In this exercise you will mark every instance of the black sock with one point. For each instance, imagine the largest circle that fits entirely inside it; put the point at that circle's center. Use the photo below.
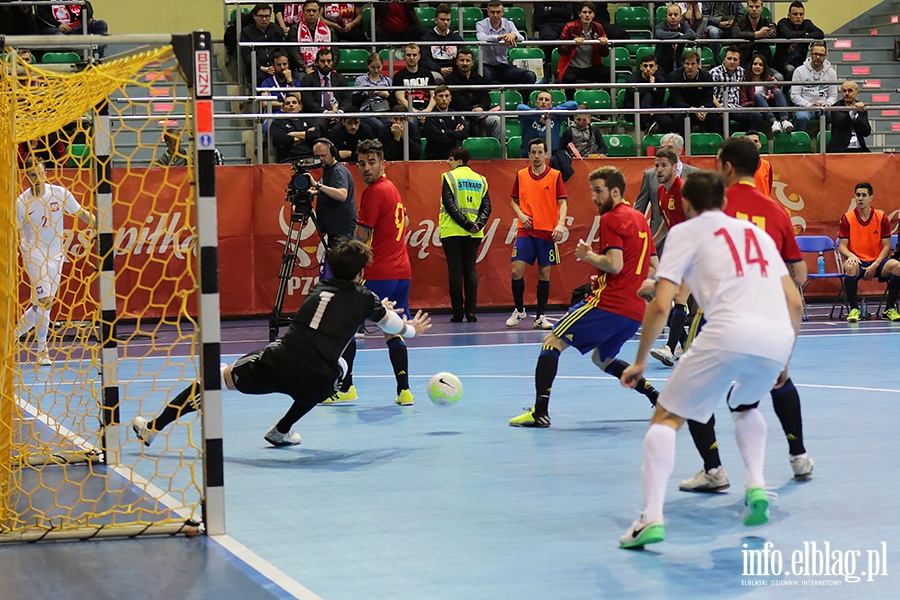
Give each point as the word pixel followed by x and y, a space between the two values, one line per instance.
pixel 294 414
pixel 518 292
pixel 618 366
pixel 851 285
pixel 786 402
pixel 400 362
pixel 543 296
pixel 704 436
pixel 544 374
pixel 349 355
pixel 893 290
pixel 182 404
pixel 676 326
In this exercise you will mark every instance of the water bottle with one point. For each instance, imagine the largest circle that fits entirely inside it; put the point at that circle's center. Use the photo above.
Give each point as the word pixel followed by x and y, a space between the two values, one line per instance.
pixel 821 264
pixel 863 309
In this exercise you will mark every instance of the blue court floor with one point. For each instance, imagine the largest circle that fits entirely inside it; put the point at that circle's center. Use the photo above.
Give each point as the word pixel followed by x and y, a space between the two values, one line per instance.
pixel 426 502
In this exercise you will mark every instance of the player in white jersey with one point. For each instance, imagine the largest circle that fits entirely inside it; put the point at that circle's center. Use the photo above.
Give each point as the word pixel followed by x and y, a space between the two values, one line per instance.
pixel 39 214
pixel 753 313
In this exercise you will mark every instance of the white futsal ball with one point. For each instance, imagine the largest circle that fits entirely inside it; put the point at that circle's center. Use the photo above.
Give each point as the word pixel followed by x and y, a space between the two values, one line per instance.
pixel 444 389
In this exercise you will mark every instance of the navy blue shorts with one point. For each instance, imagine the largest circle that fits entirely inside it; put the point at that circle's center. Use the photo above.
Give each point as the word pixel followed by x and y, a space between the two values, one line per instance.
pixel 529 249
pixel 396 290
pixel 865 264
pixel 586 328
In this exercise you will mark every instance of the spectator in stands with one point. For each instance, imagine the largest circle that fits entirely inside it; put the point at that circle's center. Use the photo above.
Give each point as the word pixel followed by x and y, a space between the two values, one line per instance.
pixel 865 245
pixel 346 136
pixel 310 29
pixel 765 94
pixel 584 140
pixel 754 26
pixel 692 14
pixel 69 18
pixel 445 132
pixel 815 69
pixel 438 49
pixel 345 21
pixel 669 56
pixel 796 27
pixel 764 177
pixel 849 129
pixel 418 79
pixel 580 63
pixel 326 101
pixel 392 138
pixel 650 97
pixel 504 34
pixel 262 30
pixel 729 96
pixel 17 20
pixel 372 99
pixel 549 20
pixel 720 17
pixel 173 156
pixel 396 21
pixel 281 78
pixel 288 14
pixel 473 100
pixel 293 138
pixel 534 125
pixel 694 97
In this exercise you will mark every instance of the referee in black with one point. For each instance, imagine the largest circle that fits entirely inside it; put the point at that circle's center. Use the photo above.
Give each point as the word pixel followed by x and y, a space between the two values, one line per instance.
pixel 306 363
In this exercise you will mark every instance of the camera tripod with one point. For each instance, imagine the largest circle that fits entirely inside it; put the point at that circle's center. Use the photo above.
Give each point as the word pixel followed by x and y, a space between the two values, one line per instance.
pixel 288 263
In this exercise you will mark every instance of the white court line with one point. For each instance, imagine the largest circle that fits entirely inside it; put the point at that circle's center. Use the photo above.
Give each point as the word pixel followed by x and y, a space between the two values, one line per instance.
pixel 257 563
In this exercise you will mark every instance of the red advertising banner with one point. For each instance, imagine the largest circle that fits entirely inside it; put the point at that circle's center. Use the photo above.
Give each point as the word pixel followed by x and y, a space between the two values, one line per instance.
pixel 155 250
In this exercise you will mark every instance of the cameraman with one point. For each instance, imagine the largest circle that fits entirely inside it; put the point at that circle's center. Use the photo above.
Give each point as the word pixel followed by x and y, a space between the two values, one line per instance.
pixel 336 199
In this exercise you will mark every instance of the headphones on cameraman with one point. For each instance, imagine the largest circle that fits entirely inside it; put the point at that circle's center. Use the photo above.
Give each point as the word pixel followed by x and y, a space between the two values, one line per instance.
pixel 331 149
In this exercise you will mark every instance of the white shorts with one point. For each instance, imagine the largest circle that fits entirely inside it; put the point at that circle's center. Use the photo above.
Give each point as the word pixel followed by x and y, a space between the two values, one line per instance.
pixel 44 276
pixel 703 376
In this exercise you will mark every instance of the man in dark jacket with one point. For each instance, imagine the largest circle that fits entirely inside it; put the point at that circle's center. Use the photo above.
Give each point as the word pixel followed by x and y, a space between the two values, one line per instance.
pixel 69 18
pixel 757 29
pixel 446 132
pixel 673 28
pixel 347 135
pixel 262 30
pixel 650 97
pixel 694 97
pixel 440 45
pixel 795 27
pixel 849 129
pixel 472 100
pixel 293 138
pixel 391 137
pixel 325 76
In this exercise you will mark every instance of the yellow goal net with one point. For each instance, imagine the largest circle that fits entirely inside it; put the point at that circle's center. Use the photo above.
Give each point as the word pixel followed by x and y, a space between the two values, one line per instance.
pixel 121 336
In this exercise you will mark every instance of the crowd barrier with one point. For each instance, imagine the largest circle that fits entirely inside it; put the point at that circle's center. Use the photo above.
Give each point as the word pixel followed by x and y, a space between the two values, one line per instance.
pixel 151 220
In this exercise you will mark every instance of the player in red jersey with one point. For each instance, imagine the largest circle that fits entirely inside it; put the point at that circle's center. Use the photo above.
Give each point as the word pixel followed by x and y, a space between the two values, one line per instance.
pixel 611 315
pixel 738 161
pixel 381 223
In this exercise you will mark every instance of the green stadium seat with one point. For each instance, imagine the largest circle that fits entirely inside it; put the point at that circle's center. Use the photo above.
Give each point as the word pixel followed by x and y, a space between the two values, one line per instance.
pixel 554 62
pixel 79 156
pixel 620 145
pixel 512 97
pixel 517 16
pixel 558 96
pixel 517 53
pixel 633 18
pixel 471 15
pixel 819 140
pixel 651 141
pixel 707 58
pixel 705 144
pixel 642 50
pixel 661 14
pixel 426 15
pixel 796 142
pixel 513 127
pixel 623 59
pixel 483 147
pixel 60 58
pixel 593 99
pixel 352 60
pixel 513 146
pixel 367 20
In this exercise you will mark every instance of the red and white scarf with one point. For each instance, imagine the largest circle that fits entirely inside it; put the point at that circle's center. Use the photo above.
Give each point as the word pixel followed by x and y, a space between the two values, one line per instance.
pixel 323 34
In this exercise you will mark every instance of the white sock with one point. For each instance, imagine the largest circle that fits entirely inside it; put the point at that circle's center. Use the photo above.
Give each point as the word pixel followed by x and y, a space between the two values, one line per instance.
pixel 799 456
pixel 28 320
pixel 750 433
pixel 43 327
pixel 659 461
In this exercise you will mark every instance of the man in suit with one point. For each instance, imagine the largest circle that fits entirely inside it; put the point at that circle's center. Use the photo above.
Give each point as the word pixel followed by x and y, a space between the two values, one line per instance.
pixel 325 76
pixel 647 196
pixel 849 129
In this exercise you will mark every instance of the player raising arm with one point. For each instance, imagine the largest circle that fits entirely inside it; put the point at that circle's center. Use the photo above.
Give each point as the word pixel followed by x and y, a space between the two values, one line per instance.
pixel 306 363
pixel 39 214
